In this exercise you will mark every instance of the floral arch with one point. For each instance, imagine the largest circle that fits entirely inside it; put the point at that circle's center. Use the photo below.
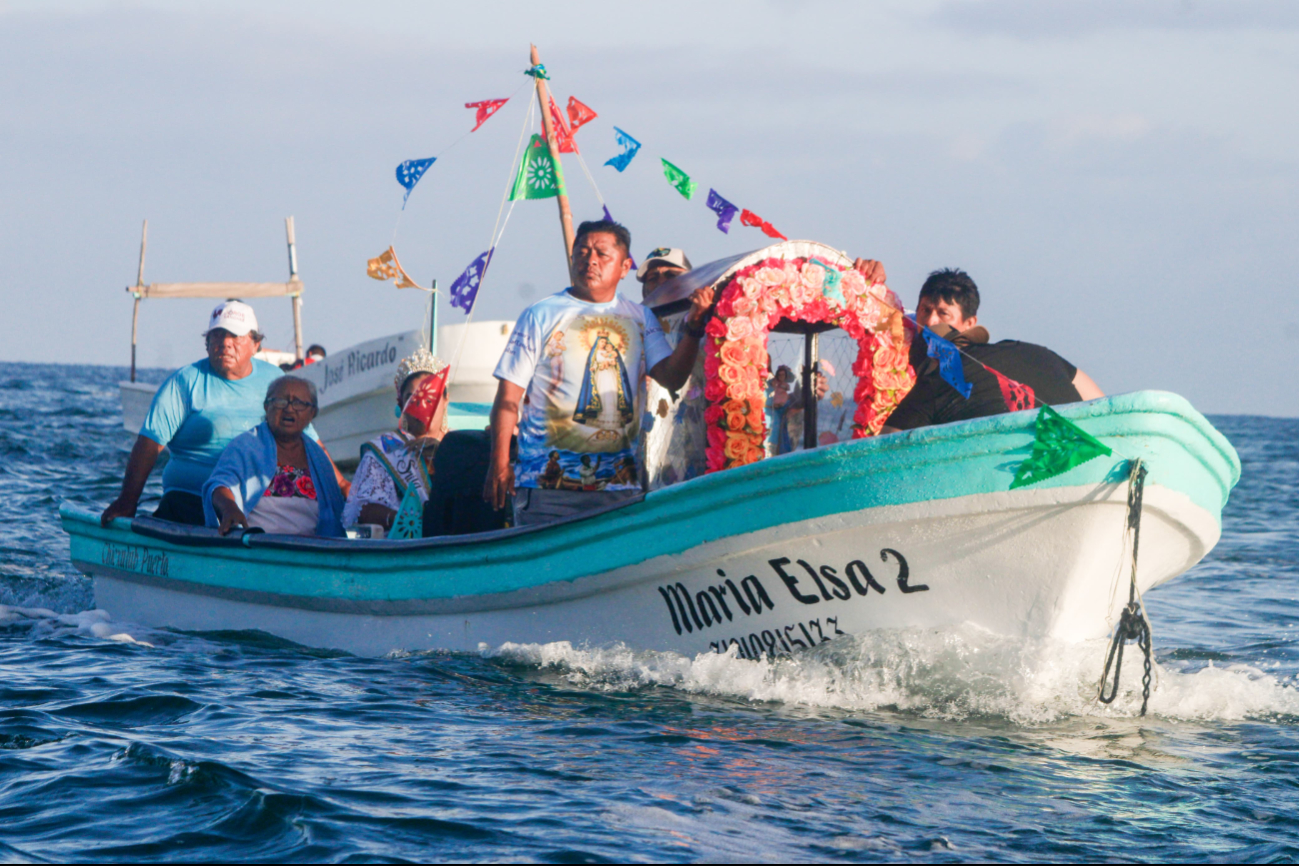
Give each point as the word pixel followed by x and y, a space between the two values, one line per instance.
pixel 811 289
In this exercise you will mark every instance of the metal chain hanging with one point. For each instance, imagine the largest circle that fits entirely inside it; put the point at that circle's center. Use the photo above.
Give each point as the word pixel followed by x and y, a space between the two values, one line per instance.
pixel 1133 625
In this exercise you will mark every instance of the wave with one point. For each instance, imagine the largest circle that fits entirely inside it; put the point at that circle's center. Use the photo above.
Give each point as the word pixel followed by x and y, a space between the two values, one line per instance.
pixel 47 623
pixel 954 674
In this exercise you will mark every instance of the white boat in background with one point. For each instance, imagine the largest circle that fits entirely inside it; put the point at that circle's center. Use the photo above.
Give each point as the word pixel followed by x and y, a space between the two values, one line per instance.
pixel 354 384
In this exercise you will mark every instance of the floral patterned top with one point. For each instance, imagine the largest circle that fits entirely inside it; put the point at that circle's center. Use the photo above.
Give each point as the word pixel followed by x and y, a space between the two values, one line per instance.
pixel 373 484
pixel 291 482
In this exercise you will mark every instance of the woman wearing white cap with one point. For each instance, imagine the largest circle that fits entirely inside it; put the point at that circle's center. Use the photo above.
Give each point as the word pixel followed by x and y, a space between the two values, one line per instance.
pixel 195 413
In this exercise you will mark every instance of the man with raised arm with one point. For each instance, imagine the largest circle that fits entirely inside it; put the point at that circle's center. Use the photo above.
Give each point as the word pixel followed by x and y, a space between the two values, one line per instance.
pixel 579 356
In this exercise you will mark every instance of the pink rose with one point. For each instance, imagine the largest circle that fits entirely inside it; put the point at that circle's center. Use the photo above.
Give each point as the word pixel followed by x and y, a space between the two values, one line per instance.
pixel 813 276
pixel 738 329
pixel 852 282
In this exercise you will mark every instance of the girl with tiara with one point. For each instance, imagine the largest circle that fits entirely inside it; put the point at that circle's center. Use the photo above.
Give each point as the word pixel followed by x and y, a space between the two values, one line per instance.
pixel 393 478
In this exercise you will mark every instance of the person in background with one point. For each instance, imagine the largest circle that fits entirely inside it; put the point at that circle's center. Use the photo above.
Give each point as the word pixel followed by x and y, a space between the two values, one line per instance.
pixel 579 356
pixel 374 497
pixel 195 413
pixel 661 265
pixel 315 352
pixel 949 306
pixel 274 477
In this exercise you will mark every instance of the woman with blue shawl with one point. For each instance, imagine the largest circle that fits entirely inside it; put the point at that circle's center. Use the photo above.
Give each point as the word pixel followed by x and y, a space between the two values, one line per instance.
pixel 273 477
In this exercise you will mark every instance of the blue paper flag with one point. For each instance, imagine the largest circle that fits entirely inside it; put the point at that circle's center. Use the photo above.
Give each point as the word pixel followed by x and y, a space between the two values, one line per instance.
pixel 409 173
pixel 724 209
pixel 465 289
pixel 629 145
pixel 949 362
pixel 609 217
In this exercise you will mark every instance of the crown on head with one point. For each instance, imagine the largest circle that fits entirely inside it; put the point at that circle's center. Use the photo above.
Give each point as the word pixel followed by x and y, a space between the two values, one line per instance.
pixel 420 361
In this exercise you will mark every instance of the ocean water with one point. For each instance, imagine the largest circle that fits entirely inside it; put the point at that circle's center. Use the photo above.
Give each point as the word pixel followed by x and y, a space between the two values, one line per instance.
pixel 119 743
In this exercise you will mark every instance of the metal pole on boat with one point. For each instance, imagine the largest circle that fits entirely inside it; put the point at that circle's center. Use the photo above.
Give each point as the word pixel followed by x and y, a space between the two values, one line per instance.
pixel 811 355
pixel 139 283
pixel 297 296
pixel 433 319
pixel 548 127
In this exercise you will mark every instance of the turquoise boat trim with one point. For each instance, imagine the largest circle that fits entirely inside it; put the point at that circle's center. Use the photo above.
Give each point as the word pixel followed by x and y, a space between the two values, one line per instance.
pixel 1184 453
pixel 468 416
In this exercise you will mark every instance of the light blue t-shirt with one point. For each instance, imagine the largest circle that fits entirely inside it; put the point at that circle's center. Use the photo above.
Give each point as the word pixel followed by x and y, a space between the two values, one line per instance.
pixel 195 413
pixel 581 365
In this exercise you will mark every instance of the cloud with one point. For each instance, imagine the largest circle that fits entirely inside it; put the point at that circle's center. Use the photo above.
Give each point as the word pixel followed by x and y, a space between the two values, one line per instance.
pixel 1081 128
pixel 1028 19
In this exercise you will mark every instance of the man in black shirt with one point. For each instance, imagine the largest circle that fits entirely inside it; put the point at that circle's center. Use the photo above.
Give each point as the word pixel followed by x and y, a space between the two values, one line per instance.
pixel 1005 376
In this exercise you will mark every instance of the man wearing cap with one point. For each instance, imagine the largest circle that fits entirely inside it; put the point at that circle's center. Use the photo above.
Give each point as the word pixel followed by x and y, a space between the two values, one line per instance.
pixel 195 413
pixel 660 266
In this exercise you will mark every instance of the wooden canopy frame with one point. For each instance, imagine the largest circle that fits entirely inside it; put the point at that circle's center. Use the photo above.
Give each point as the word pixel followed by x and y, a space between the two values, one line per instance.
pixel 291 289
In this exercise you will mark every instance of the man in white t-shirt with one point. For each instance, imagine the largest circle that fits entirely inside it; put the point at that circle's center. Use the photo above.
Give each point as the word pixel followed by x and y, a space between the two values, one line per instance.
pixel 579 356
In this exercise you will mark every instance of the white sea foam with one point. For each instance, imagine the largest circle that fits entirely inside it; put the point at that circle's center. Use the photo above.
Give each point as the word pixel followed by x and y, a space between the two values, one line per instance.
pixel 95 623
pixel 952 673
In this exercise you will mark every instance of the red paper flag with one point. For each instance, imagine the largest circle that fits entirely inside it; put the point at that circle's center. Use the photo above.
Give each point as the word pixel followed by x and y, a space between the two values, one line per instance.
pixel 1017 395
pixel 562 134
pixel 749 218
pixel 578 114
pixel 486 109
pixel 423 404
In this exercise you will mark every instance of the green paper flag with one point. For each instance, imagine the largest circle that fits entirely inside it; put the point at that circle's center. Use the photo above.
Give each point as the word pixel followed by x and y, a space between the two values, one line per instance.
pixel 679 179
pixel 538 176
pixel 1060 446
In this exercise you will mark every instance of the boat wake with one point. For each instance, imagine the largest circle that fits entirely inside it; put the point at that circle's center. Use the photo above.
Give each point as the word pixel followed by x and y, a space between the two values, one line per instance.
pixel 958 673
pixel 44 622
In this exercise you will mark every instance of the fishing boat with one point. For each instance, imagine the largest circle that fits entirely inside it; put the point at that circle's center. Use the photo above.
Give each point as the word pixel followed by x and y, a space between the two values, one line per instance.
pixel 354 384
pixel 754 535
pixel 918 529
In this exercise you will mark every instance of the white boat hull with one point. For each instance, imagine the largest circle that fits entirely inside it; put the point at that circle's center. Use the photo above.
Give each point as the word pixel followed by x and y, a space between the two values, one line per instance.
pixel 1023 563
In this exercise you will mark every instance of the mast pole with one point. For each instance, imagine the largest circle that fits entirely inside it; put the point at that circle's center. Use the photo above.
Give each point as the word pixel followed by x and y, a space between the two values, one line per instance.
pixel 811 369
pixel 297 296
pixel 139 282
pixel 548 127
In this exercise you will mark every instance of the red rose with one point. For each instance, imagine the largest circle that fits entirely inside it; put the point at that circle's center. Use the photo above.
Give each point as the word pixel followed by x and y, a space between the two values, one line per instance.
pixel 716 437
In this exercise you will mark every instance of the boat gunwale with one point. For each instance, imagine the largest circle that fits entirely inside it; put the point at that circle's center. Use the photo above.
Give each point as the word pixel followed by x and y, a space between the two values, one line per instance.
pixel 799 469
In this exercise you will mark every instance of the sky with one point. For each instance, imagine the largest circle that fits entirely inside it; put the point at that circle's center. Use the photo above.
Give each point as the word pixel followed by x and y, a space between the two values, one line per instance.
pixel 1120 177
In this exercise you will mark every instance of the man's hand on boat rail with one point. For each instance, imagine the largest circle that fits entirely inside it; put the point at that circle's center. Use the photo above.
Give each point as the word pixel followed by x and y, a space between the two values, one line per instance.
pixel 872 270
pixel 144 454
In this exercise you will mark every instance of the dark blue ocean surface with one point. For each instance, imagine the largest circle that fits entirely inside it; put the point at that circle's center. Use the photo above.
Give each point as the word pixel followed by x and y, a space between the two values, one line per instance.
pixel 123 744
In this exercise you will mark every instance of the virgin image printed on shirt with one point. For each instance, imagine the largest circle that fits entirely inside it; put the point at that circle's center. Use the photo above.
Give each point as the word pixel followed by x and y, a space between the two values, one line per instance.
pixel 581 365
